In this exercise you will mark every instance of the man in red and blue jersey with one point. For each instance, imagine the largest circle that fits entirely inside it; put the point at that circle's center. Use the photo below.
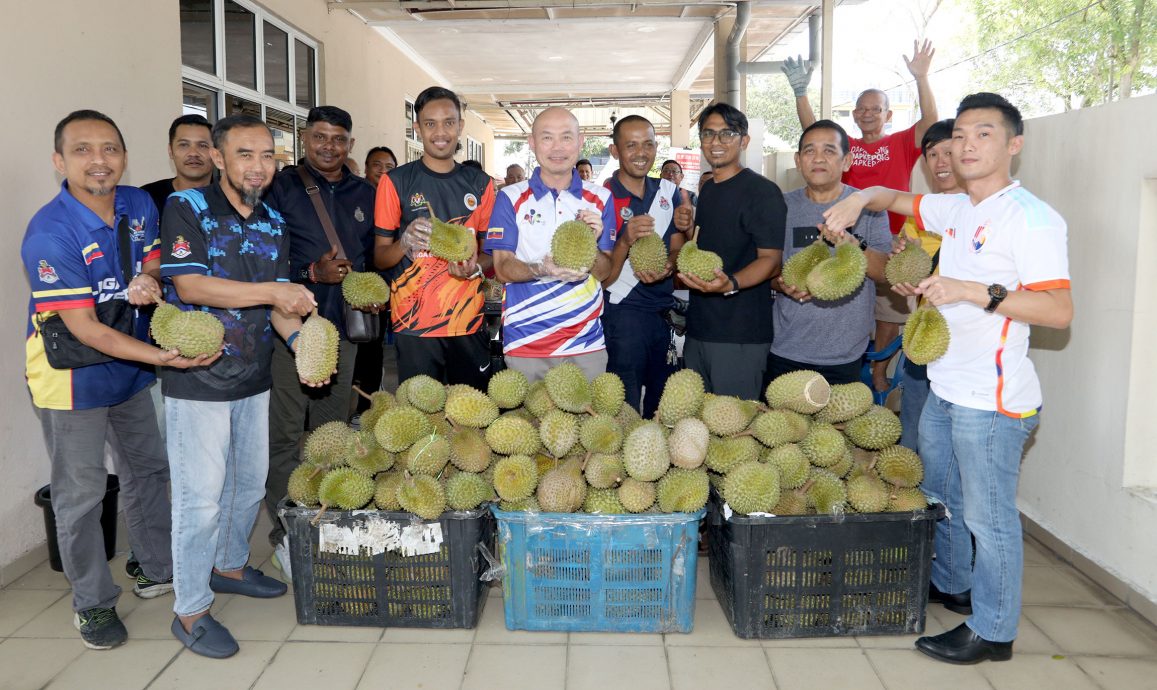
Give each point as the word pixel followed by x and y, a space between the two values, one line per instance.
pixel 72 252
pixel 551 314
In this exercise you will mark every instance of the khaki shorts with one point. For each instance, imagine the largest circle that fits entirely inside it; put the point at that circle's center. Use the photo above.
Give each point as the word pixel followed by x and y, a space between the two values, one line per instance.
pixel 892 308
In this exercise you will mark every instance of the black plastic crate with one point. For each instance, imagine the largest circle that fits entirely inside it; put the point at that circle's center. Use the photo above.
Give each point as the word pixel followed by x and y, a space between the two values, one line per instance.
pixel 380 586
pixel 822 575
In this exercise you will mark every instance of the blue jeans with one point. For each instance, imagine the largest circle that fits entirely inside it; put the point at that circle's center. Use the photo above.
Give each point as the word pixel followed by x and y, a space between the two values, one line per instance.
pixel 914 384
pixel 972 464
pixel 218 459
pixel 637 343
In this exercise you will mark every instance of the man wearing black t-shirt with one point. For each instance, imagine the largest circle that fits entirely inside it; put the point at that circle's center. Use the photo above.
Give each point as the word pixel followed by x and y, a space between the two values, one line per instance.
pixel 189 145
pixel 741 218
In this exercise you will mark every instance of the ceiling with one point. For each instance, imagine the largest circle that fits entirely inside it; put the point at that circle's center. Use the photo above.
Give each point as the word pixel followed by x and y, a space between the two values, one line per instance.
pixel 510 58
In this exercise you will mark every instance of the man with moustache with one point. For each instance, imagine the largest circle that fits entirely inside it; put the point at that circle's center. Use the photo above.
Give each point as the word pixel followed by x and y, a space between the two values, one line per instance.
pixel 189 145
pixel 225 252
pixel 435 306
pixel 72 252
pixel 551 314
pixel 637 335
pixel 740 218
pixel 314 263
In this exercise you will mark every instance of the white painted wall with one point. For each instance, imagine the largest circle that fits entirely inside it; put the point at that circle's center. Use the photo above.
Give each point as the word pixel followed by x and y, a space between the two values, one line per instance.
pixel 1092 166
pixel 122 57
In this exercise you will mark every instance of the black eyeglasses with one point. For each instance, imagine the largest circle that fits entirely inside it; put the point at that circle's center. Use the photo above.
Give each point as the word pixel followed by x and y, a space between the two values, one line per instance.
pixel 724 135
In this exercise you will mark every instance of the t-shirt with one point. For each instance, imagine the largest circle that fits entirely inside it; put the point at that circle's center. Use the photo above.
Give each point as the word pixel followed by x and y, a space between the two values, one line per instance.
pixel 350 204
pixel 826 333
pixel 425 299
pixel 547 317
pixel 73 262
pixel 160 191
pixel 202 234
pixel 1011 238
pixel 735 218
pixel 886 162
pixel 660 198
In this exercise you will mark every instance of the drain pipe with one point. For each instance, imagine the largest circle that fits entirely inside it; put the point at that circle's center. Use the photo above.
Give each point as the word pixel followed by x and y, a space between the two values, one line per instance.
pixel 734 41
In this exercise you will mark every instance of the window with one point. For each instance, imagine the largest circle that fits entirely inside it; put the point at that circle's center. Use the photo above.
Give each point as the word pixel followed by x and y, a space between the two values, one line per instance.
pixel 475 151
pixel 411 129
pixel 238 58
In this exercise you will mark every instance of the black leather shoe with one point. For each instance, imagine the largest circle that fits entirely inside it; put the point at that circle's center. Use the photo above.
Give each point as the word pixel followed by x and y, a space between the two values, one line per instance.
pixel 956 603
pixel 962 646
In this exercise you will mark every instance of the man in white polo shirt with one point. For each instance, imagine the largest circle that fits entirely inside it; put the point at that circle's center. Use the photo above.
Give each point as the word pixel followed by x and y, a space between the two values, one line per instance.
pixel 1003 267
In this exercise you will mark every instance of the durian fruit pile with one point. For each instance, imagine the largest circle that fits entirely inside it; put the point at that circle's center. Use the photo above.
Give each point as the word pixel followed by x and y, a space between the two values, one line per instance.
pixel 812 449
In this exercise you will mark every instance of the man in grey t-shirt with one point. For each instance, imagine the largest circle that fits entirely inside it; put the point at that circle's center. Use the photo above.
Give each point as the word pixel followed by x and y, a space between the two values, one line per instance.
pixel 828 337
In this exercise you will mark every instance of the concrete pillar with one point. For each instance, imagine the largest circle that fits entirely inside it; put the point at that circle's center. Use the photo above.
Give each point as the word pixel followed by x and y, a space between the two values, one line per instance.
pixel 680 119
pixel 722 31
pixel 828 29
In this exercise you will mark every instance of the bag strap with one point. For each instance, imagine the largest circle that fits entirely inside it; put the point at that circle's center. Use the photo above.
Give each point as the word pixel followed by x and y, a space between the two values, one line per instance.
pixel 125 250
pixel 313 191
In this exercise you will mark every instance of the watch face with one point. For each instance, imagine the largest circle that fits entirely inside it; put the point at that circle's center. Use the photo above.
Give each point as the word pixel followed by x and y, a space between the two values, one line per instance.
pixel 997 291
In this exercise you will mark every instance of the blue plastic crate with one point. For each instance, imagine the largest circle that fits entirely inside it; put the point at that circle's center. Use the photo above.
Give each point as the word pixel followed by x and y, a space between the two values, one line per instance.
pixel 599 573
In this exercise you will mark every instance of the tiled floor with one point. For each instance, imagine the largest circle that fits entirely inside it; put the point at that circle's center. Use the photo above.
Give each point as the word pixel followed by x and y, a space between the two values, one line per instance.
pixel 1072 635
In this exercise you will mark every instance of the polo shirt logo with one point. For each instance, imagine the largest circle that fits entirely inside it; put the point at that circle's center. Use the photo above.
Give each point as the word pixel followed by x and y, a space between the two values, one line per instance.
pixel 137 229
pixel 46 273
pixel 91 253
pixel 533 217
pixel 471 201
pixel 359 215
pixel 417 200
pixel 181 247
pixel 663 203
pixel 979 238
pixel 626 213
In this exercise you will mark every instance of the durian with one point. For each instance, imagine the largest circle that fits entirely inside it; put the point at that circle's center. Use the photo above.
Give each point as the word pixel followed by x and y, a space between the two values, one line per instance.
pixel 512 435
pixel 877 428
pixel 752 487
pixel 450 241
pixel 317 344
pixel 423 496
pixel 698 262
pixel 803 391
pixel 568 387
pixel 645 454
pixel 559 432
pixel 365 289
pixel 466 491
pixel 796 269
pixel 910 266
pixel 649 254
pixel 466 406
pixel 688 443
pixel 191 333
pixel 607 393
pixel 515 477
pixel 926 336
pixel 682 491
pixel 574 246
pixel 636 496
pixel 508 388
pixel 425 393
pixel 562 490
pixel 900 466
pixel 845 402
pixel 345 488
pixel 682 396
pixel 303 485
pixel 399 427
pixel 839 276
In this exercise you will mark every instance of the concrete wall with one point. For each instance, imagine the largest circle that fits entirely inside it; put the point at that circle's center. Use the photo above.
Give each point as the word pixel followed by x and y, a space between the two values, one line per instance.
pixel 1088 476
pixel 123 57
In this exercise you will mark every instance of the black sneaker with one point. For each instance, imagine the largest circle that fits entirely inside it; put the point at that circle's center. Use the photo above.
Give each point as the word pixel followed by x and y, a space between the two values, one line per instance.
pixel 100 628
pixel 132 565
pixel 151 589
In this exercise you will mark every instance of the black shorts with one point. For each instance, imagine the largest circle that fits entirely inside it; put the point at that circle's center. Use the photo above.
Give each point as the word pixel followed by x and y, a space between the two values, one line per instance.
pixel 458 359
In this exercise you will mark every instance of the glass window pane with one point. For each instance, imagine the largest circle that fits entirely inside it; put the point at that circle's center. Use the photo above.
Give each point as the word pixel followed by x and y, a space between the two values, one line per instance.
pixel 284 146
pixel 411 134
pixel 197 100
pixel 236 105
pixel 300 139
pixel 197 46
pixel 240 45
pixel 276 62
pixel 304 59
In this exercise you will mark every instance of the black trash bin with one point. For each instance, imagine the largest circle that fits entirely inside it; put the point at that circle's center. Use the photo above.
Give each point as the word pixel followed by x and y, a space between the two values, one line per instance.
pixel 108 521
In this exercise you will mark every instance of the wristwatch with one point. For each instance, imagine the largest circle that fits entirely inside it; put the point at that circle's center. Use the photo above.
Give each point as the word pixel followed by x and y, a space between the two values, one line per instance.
pixel 996 295
pixel 734 285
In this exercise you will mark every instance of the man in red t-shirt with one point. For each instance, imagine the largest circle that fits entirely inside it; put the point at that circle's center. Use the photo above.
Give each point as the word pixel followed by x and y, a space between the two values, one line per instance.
pixel 879 159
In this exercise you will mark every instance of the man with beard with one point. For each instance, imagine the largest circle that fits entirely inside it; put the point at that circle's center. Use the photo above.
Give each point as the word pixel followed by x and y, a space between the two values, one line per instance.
pixel 313 261
pixel 225 252
pixel 741 218
pixel 435 305
pixel 637 334
pixel 73 255
pixel 189 145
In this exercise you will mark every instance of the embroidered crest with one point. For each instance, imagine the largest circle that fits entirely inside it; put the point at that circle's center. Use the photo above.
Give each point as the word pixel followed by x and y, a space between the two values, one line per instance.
pixel 532 217
pixel 47 273
pixel 181 248
pixel 471 201
pixel 137 229
pixel 359 215
pixel 664 203
pixel 417 200
pixel 494 234
pixel 979 238
pixel 626 214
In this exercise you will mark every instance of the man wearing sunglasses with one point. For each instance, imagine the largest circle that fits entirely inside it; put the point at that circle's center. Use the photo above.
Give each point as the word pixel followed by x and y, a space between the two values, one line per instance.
pixel 741 218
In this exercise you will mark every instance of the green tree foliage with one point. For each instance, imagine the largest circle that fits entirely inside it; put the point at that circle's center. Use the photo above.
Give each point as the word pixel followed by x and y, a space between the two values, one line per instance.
pixel 1083 53
pixel 769 96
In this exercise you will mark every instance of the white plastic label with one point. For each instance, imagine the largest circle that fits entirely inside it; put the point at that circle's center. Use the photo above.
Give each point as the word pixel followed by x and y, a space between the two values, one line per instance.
pixel 374 536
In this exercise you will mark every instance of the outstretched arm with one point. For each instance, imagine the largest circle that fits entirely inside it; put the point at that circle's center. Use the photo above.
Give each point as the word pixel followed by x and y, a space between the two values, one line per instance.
pixel 918 66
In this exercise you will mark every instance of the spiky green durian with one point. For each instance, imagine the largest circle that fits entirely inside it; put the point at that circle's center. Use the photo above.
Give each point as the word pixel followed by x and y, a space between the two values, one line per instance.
pixel 426 393
pixel 451 241
pixel 559 432
pixel 515 477
pixel 428 455
pixel 823 445
pixel 466 406
pixel 799 265
pixel 845 402
pixel 802 391
pixel 682 396
pixel 538 400
pixel 839 276
pixel 877 428
pixel 380 401
pixel 512 435
pixel 303 484
pixel 645 454
pixel 316 354
pixel 603 501
pixel 793 502
pixel 903 500
pixel 574 246
pixel 524 505
pixel 792 464
pixel 698 262
pixel 345 488
pixel 466 491
pixel 365 455
pixel 868 494
pixel 636 496
pixel 423 496
pixel 469 451
pixel 386 490
pixel 568 387
pixel 563 489
pixel 648 253
pixel 365 289
pixel 926 335
pixel 327 444
pixel 900 466
pixel 607 393
pixel 508 388
pixel 688 443
pixel 828 494
pixel 751 487
pixel 604 471
pixel 723 454
pixel 601 434
pixel 400 426
pixel 773 428
pixel 725 415
pixel 191 333
pixel 682 491
pixel 910 266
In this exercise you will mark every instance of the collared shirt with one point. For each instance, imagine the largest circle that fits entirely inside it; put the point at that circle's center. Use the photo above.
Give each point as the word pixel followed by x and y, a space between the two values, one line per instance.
pixel 202 234
pixel 425 300
pixel 886 162
pixel 660 199
pixel 546 317
pixel 350 203
pixel 73 262
pixel 1012 238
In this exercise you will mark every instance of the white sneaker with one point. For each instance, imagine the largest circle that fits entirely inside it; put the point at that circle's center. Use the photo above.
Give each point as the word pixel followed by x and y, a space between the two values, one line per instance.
pixel 281 558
